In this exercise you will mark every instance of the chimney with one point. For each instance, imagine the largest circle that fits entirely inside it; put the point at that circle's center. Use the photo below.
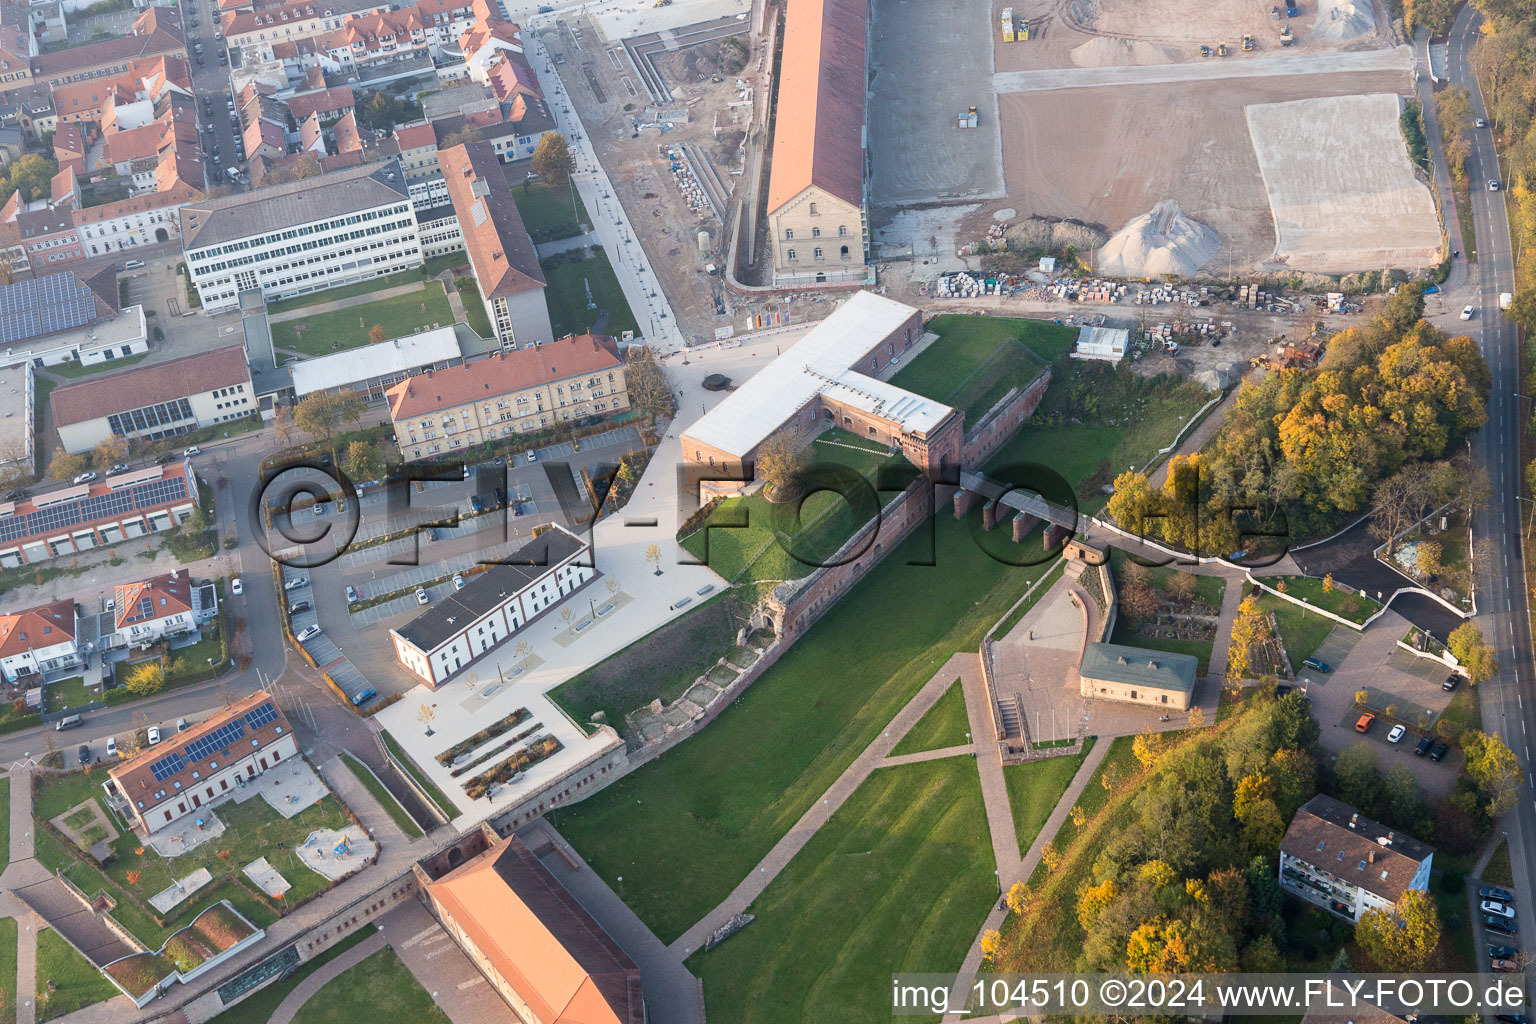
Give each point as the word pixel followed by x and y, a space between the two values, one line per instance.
pixel 1354 819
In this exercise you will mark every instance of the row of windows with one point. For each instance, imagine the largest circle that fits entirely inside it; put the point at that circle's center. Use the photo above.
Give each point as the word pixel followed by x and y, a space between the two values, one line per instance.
pixel 299 232
pixel 149 417
pixel 842 231
pixel 272 254
pixel 790 254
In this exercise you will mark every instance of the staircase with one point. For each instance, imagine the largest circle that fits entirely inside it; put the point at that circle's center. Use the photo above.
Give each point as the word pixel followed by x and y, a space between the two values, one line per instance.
pixel 1008 715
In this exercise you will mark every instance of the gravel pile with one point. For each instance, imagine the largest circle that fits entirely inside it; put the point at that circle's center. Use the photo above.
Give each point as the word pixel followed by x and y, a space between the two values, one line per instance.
pixel 1163 242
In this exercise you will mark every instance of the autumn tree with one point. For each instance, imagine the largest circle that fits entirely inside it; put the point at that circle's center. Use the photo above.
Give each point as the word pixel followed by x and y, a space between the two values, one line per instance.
pixel 1399 502
pixel 464 136
pixel 282 423
pixel 1495 769
pixel 649 390
pixel 376 334
pixel 145 679
pixel 1250 627
pixel 31 175
pixel 1147 746
pixel 552 160
pixel 1181 585
pixel 1426 558
pixel 362 461
pixel 780 461
pixel 322 413
pixel 64 465
pixel 109 452
pixel 1475 657
pixel 1133 505
pixel 1138 601
pixel 1400 938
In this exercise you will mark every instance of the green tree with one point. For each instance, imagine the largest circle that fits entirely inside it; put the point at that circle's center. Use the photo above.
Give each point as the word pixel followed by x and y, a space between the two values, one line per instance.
pixel 552 160
pixel 1476 658
pixel 1357 777
pixel 363 461
pixel 1400 939
pixel 32 176
pixel 145 679
pixel 322 413
pixel 1495 769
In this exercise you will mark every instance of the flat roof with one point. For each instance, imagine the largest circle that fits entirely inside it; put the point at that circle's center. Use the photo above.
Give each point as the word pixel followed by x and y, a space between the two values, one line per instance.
pixel 16 424
pixel 817 362
pixel 487 591
pixel 411 353
pixel 292 203
pixel 1102 339
pixel 1159 669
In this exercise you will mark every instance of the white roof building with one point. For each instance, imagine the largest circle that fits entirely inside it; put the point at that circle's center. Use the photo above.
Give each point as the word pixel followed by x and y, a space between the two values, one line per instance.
pixel 822 362
pixel 1104 343
pixel 386 363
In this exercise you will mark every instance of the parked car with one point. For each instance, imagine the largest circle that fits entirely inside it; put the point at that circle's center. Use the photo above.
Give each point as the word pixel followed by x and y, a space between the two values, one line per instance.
pixel 308 634
pixel 1490 892
pixel 111 746
pixel 154 735
pixel 86 477
pixel 1503 925
pixel 476 503
pixel 1364 722
pixel 166 459
pixel 1316 666
pixel 1502 951
pixel 299 607
pixel 1451 682
pixel 1438 752
pixel 501 495
pixel 352 595
pixel 236 587
pixel 194 450
pixel 16 494
pixel 546 9
pixel 531 456
pixel 1423 747
pixel 182 725
pixel 118 467
pixel 458 581
pixel 296 583
pixel 1513 1018
pixel 1397 733
pixel 1504 966
pixel 362 697
pixel 1498 909
pixel 421 596
pixel 84 753
pixel 1466 312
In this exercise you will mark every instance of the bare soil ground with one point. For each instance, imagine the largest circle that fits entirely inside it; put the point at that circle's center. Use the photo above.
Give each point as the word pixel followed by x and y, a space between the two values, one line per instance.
pixel 1196 149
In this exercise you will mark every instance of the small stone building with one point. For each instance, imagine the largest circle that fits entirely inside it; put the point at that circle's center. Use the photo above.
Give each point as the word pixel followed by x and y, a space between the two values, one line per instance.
pixel 1136 676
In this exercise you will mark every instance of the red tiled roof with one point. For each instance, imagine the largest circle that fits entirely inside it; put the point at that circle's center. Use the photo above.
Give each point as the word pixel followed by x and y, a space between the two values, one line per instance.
pixel 146 385
pixel 819 124
pixel 325 101
pixel 500 250
pixel 108 51
pixel 416 136
pixel 168 594
pixel 503 374
pixel 33 628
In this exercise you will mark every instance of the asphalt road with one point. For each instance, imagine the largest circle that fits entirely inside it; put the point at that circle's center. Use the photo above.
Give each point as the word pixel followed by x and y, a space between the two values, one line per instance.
pixel 211 80
pixel 1504 616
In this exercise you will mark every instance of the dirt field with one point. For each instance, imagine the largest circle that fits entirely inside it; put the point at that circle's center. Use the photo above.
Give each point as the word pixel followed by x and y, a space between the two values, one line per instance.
pixel 917 154
pixel 1196 150
pixel 1341 186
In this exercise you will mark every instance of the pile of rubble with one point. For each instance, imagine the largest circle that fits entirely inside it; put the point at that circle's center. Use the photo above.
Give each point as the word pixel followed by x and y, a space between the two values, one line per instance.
pixel 687 184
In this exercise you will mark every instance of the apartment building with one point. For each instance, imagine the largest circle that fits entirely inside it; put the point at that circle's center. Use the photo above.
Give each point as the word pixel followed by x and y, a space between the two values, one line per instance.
pixel 1336 858
pixel 144 611
pixel 302 236
pixel 510 393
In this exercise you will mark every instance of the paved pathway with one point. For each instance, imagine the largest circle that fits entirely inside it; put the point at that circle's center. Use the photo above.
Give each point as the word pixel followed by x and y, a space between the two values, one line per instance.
pixel 429 953
pixel 346 303
pixel 1281 65
pixel 355 795
pixel 327 971
pixel 22 870
pixel 785 849
pixel 989 763
pixel 965 750
pixel 548 249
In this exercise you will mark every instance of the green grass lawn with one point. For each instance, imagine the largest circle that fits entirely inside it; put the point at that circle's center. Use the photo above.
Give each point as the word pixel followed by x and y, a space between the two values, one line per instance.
pixel 944 725
pixel 320 334
pixel 1498 871
pixel 76 982
pixel 1118 765
pixel 978 358
pixel 568 275
pixel 420 777
pixel 661 665
pixel 254 830
pixel 474 309
pixel 1355 607
pixel 433 267
pixel 7 970
pixel 899 879
pixel 754 539
pixel 1034 790
pixel 379 986
pixel 77 370
pixel 258 1008
pixel 706 806
pixel 549 211
pixel 1301 631
pixel 68 693
pixel 386 800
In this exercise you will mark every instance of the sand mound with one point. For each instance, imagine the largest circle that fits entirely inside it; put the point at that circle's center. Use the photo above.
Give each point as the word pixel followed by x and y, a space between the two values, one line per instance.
pixel 1342 20
pixel 1106 52
pixel 1163 242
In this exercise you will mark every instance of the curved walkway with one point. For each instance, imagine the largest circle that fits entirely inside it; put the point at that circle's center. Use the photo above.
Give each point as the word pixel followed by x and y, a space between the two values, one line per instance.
pixel 309 986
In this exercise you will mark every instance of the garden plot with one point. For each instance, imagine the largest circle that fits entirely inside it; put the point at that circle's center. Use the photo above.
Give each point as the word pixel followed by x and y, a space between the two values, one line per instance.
pixel 1341 187
pixel 86 824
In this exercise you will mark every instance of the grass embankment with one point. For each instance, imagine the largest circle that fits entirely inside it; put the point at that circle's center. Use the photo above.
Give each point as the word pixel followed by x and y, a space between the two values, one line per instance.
pixel 943 725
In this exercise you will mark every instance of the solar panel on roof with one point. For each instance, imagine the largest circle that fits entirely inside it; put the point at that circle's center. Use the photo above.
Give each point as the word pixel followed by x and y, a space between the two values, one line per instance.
pixel 111 505
pixel 58 302
pixel 263 715
pixel 167 766
pixel 223 736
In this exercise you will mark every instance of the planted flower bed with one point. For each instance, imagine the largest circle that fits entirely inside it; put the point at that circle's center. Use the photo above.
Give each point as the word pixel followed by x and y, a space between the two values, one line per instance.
pixel 463 747
pixel 139 973
pixel 496 751
pixel 187 950
pixel 537 751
